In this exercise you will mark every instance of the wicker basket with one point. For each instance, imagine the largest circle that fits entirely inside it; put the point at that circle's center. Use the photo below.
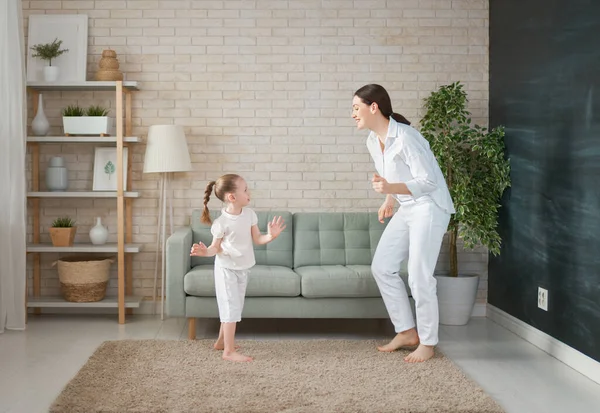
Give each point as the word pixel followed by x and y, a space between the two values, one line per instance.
pixel 84 279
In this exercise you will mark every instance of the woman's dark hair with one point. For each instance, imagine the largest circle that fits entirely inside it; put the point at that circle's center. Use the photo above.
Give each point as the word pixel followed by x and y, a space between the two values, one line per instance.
pixel 376 93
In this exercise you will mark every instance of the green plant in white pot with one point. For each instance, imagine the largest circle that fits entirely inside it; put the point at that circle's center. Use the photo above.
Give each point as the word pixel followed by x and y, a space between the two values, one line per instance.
pixel 473 161
pixel 48 52
pixel 93 121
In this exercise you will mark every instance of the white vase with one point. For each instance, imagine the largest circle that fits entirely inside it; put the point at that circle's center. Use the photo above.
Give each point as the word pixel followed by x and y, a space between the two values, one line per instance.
pixel 56 175
pixel 99 233
pixel 51 73
pixel 40 125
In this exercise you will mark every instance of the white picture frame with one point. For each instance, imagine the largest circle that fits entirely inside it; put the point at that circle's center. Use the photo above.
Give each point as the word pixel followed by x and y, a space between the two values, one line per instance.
pixel 72 29
pixel 105 160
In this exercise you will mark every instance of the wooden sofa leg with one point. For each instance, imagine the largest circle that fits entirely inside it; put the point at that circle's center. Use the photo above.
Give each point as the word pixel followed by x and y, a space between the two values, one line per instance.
pixel 192 328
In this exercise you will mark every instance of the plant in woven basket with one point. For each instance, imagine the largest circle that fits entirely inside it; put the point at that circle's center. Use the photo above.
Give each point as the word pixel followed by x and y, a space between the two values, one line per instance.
pixel 73 110
pixel 48 51
pixel 62 232
pixel 97 111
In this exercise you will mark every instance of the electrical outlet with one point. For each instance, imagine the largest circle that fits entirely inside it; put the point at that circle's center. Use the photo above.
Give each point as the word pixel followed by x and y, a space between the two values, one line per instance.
pixel 543 298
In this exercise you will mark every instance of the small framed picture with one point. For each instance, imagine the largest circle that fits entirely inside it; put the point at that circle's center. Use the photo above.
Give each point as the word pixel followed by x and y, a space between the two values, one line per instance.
pixel 72 30
pixel 105 169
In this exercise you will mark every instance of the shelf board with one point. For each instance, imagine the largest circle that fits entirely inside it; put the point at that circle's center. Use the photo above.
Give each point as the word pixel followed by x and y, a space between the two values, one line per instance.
pixel 81 139
pixel 82 86
pixel 84 247
pixel 81 194
pixel 59 302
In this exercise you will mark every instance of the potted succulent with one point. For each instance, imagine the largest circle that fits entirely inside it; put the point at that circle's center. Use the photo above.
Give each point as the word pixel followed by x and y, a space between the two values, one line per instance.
pixel 62 232
pixel 92 121
pixel 49 51
pixel 473 161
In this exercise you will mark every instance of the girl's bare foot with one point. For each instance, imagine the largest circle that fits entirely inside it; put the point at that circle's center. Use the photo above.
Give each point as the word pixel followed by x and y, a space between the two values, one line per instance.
pixel 422 353
pixel 235 356
pixel 220 345
pixel 406 338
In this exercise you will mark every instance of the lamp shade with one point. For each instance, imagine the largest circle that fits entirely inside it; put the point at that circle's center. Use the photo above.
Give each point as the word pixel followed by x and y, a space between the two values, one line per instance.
pixel 166 150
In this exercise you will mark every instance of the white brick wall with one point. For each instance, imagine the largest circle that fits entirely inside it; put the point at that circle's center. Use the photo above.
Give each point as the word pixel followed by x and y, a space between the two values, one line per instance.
pixel 264 89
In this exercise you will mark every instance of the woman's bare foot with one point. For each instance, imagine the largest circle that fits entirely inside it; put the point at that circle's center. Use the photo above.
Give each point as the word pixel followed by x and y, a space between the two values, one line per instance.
pixel 406 338
pixel 422 353
pixel 235 356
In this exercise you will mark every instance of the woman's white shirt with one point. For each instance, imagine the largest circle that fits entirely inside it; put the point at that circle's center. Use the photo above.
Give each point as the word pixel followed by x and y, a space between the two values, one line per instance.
pixel 407 158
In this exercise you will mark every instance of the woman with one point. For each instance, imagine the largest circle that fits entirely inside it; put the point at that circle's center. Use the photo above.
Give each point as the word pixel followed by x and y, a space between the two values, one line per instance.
pixel 409 174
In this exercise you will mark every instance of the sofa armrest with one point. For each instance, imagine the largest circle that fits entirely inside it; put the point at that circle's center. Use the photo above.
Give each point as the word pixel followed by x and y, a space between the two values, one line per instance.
pixel 178 264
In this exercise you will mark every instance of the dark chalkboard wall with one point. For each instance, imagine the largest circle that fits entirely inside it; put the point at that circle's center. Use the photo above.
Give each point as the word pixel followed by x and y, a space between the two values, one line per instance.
pixel 545 88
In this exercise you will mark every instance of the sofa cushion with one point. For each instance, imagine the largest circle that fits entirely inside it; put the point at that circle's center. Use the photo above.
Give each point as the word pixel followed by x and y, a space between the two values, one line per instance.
pixel 321 281
pixel 327 238
pixel 365 271
pixel 278 252
pixel 263 281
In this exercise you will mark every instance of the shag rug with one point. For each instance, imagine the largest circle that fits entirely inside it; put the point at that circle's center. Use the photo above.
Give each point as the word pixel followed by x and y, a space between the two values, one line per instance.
pixel 291 376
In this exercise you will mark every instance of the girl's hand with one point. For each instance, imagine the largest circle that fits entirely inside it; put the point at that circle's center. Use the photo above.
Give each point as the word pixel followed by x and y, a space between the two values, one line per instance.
pixel 380 184
pixel 199 250
pixel 275 227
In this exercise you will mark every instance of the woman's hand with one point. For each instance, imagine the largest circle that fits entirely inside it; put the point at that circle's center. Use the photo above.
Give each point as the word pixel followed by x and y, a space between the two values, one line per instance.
pixel 386 210
pixel 380 184
pixel 275 227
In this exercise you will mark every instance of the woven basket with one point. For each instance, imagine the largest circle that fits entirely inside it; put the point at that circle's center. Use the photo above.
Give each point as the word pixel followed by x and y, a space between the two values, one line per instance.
pixel 83 279
pixel 103 75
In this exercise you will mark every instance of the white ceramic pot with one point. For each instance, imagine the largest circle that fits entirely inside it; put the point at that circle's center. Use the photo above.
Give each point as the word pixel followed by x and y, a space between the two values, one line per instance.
pixel 456 298
pixel 87 125
pixel 56 175
pixel 98 233
pixel 51 73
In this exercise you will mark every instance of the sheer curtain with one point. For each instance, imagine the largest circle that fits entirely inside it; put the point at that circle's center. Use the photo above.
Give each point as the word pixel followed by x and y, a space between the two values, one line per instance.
pixel 13 203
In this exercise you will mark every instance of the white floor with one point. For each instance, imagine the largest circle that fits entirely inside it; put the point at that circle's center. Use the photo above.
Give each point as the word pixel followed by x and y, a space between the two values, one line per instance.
pixel 37 363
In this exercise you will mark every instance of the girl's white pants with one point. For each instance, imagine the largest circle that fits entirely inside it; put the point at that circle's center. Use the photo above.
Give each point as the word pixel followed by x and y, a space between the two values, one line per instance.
pixel 230 287
pixel 415 233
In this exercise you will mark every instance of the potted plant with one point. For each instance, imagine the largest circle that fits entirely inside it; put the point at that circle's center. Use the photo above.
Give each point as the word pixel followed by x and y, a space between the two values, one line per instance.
pixel 49 51
pixel 477 173
pixel 93 121
pixel 62 232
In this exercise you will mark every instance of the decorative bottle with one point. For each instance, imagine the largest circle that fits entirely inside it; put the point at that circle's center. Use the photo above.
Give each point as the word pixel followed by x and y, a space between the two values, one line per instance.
pixel 40 125
pixel 99 233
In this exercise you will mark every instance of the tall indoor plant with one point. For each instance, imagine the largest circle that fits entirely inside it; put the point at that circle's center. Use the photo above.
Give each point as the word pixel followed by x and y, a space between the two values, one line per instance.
pixel 473 161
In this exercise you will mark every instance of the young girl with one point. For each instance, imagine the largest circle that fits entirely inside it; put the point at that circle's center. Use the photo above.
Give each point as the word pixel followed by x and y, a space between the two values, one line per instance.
pixel 233 233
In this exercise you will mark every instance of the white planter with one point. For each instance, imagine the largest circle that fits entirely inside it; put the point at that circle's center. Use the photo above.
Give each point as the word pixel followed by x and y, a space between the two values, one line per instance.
pixel 456 298
pixel 87 125
pixel 51 73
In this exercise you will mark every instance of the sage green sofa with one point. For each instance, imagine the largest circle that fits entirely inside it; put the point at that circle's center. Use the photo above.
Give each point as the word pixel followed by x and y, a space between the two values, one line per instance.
pixel 319 267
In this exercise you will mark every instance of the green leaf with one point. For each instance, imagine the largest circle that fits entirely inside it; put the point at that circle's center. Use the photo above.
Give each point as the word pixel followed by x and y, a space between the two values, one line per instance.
pixel 109 168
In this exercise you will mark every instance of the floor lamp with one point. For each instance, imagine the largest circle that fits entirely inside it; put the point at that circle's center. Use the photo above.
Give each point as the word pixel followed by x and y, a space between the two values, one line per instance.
pixel 166 152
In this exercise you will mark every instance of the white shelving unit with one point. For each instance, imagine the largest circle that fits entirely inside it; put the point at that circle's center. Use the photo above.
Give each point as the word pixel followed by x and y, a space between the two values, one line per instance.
pixel 124 248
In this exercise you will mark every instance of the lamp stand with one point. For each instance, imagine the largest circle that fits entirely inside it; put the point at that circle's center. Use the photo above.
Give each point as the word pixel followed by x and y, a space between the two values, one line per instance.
pixel 161 240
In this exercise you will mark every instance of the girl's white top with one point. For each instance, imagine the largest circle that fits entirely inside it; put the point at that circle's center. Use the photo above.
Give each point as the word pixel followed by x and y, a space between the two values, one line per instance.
pixel 407 158
pixel 236 232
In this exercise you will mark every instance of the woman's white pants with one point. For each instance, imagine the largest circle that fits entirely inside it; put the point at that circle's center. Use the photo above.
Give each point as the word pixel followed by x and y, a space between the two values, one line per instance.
pixel 415 233
pixel 230 288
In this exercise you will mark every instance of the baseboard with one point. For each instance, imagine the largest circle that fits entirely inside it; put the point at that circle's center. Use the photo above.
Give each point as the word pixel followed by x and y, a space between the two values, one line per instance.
pixel 479 310
pixel 557 349
pixel 149 307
